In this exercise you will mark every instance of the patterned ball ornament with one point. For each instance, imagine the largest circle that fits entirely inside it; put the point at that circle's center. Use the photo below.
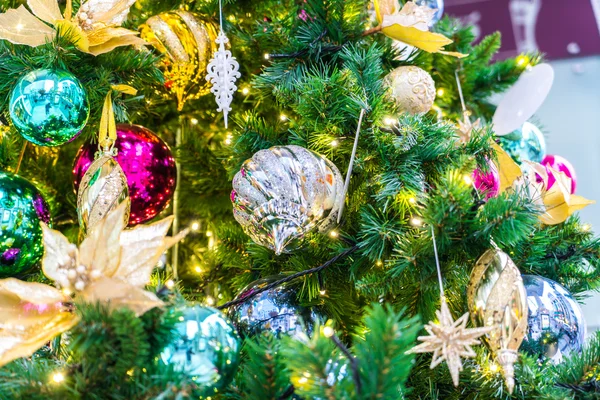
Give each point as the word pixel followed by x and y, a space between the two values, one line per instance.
pixel 412 88
pixel 49 107
pixel 525 144
pixel 148 165
pixel 559 164
pixel 285 192
pixel 22 207
pixel 275 310
pixel 205 346
pixel 556 324
pixel 188 43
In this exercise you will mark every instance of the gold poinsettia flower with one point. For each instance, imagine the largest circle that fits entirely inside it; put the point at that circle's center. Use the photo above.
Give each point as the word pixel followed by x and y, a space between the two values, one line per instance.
pixel 557 202
pixel 411 26
pixel 95 29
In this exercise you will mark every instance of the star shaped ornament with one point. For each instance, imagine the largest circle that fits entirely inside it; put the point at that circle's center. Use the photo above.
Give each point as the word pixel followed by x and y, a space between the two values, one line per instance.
pixel 449 340
pixel 465 129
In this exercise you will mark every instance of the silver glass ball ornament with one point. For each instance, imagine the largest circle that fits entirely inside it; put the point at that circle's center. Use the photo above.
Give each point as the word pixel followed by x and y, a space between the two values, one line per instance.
pixel 437 5
pixel 206 347
pixel 525 144
pixel 275 310
pixel 556 324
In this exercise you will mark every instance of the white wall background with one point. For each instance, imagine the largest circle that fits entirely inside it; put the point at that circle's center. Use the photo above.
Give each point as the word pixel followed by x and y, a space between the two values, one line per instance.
pixel 569 118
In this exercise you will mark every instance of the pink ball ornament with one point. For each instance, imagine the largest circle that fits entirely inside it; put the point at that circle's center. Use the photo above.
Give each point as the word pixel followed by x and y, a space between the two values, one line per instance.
pixel 488 182
pixel 148 165
pixel 559 164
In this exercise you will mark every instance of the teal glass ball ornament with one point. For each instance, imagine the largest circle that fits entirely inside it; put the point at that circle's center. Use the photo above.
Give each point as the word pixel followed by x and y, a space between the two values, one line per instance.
pixel 206 347
pixel 22 207
pixel 49 107
pixel 525 144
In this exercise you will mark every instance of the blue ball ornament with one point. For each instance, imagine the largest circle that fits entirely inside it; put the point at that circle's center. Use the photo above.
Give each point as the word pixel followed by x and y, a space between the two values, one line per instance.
pixel 556 324
pixel 49 107
pixel 525 144
pixel 437 5
pixel 206 347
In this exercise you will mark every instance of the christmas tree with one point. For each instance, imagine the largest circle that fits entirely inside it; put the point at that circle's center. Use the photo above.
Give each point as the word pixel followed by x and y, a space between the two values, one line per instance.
pixel 350 215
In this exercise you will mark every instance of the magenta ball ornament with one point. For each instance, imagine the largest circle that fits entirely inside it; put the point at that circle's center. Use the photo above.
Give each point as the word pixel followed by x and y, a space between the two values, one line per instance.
pixel 148 165
pixel 559 164
pixel 487 183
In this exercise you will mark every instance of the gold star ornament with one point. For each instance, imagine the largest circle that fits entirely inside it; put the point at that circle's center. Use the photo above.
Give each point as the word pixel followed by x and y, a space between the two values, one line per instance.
pixel 449 340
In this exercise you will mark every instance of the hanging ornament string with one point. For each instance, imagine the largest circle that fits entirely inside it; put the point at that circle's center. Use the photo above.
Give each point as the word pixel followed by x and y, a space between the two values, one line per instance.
pixel 351 165
pixel 448 340
pixel 21 155
pixel 465 127
pixel 223 71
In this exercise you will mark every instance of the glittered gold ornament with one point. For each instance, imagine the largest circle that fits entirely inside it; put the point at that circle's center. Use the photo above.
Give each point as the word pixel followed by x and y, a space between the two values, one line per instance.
pixel 102 189
pixel 412 88
pixel 94 30
pixel 188 43
pixel 497 298
pixel 449 340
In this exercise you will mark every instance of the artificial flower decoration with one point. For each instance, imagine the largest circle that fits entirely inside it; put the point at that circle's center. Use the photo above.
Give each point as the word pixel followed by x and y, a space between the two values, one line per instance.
pixel 95 29
pixel 111 266
pixel 411 26
pixel 557 204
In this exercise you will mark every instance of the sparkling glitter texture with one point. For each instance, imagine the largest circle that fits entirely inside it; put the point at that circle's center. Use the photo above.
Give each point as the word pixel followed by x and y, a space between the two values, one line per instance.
pixel 49 107
pixel 205 346
pixel 148 165
pixel 21 210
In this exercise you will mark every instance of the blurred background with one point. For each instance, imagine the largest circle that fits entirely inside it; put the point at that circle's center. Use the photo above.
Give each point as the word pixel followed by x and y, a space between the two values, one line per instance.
pixel 568 33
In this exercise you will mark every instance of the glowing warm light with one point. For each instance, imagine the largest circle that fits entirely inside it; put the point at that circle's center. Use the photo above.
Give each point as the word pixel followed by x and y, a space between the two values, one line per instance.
pixel 283 117
pixel 389 121
pixel 210 301
pixel 416 221
pixel 130 372
pixel 208 233
pixel 494 367
pixel 302 380
pixel 328 331
pixel 58 377
pixel 379 263
pixel 194 121
pixel 334 234
pixel 198 269
pixel 19 27
pixel 195 226
pixel 245 91
pixel 441 92
pixel 231 18
pixel 67 292
pixel 170 284
pixel 468 179
pixel 267 56
pixel 228 141
pixel 334 143
pixel 412 200
pixel 586 227
pixel 322 292
pixel 522 60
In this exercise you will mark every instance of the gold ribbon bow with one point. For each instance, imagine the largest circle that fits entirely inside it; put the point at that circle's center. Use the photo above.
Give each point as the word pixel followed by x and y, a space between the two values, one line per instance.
pixel 411 26
pixel 95 29
pixel 111 266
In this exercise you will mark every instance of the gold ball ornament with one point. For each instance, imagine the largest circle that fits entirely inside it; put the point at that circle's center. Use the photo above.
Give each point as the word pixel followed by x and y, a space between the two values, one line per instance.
pixel 497 298
pixel 412 88
pixel 187 42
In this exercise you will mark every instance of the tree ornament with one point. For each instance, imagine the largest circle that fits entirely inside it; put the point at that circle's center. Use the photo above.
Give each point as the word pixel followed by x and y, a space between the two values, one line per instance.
pixel 112 266
pixel 525 144
pixel 448 340
pixel 205 346
pixel 523 99
pixel 560 164
pixel 223 72
pixel 49 107
pixel 275 310
pixel 556 323
pixel 22 208
pixel 436 5
pixel 487 183
pixel 410 25
pixel 95 29
pixel 187 42
pixel 497 299
pixel 412 88
pixel 148 165
pixel 282 193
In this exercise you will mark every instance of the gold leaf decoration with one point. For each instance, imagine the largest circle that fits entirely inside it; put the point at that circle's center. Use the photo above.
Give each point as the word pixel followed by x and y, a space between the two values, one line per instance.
pixel 19 26
pixel 120 294
pixel 31 314
pixel 508 169
pixel 46 10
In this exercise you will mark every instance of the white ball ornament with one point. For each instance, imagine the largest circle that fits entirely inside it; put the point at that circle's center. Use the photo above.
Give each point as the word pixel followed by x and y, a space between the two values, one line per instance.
pixel 412 88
